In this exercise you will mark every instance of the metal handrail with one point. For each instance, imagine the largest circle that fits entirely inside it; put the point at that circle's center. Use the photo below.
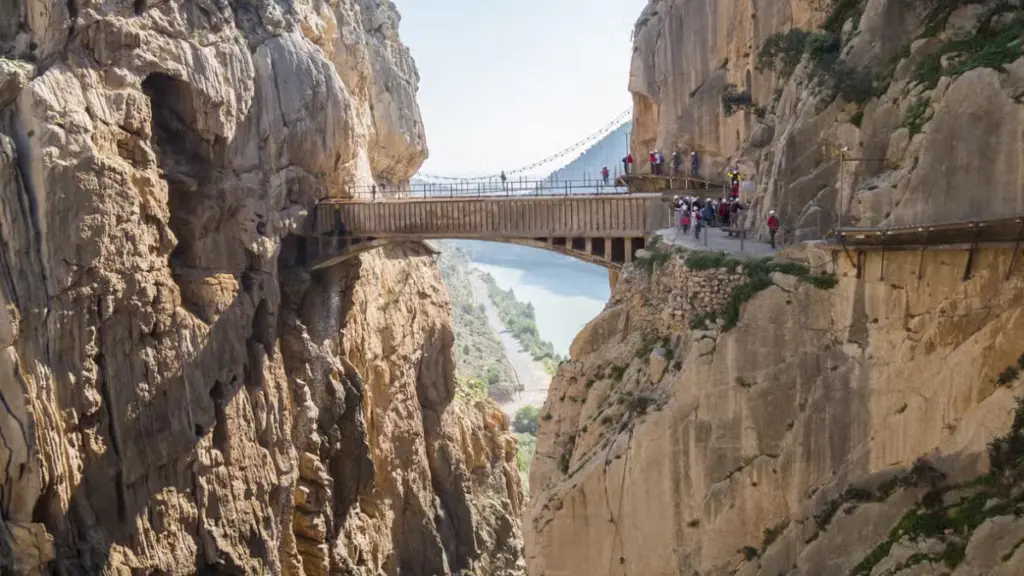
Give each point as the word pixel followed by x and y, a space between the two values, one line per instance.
pixel 942 226
pixel 489 189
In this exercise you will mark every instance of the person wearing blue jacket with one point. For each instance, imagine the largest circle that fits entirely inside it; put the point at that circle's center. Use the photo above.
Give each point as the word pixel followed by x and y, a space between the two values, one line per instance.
pixel 707 214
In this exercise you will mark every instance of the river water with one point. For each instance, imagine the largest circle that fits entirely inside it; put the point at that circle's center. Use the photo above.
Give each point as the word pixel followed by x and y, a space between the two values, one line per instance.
pixel 561 303
pixel 565 293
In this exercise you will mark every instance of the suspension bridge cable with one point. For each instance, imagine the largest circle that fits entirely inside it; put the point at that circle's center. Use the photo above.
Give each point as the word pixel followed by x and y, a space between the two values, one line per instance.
pixel 600 133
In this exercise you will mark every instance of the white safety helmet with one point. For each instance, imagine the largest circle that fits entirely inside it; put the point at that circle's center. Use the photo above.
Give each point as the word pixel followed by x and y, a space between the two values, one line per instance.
pixel 771 212
pixel 693 153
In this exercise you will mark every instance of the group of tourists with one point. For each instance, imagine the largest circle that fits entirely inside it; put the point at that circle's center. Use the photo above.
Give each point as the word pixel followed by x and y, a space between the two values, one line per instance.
pixel 657 162
pixel 697 213
pixel 700 213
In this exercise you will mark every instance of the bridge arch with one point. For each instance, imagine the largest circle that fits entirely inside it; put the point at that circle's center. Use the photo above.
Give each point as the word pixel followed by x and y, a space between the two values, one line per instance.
pixel 609 253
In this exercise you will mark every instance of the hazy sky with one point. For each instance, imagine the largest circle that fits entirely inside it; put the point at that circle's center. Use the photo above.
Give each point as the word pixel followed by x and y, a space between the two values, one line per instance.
pixel 506 82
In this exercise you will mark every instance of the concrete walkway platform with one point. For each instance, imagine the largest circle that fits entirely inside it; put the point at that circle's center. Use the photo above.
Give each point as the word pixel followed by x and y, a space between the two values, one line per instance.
pixel 716 240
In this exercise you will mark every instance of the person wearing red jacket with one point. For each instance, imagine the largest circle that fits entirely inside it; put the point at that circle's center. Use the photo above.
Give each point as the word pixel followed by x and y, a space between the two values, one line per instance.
pixel 773 227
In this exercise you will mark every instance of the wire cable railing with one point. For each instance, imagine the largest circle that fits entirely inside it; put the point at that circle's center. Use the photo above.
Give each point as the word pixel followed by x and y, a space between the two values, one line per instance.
pixel 521 188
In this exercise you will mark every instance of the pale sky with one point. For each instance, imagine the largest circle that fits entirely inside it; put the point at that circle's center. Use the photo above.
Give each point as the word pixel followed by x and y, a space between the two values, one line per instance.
pixel 506 82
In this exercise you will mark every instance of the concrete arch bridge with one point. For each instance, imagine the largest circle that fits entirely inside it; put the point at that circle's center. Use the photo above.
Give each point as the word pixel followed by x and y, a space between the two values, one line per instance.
pixel 604 229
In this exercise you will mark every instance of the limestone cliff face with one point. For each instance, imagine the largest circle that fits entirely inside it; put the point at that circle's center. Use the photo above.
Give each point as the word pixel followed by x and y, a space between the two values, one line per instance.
pixel 180 395
pixel 792 443
pixel 933 119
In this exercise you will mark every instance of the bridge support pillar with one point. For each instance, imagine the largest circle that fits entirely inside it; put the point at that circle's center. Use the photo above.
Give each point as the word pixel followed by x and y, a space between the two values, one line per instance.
pixel 613 278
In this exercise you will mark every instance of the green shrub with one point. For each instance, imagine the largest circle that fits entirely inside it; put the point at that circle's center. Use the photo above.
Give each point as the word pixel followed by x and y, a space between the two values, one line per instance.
pixel 710 261
pixel 525 421
pixel 617 373
pixel 915 116
pixel 566 458
pixel 772 534
pixel 822 281
pixel 1006 453
pixel 841 11
pixel 988 48
pixel 823 48
pixel 657 258
pixel 734 100
pixel 855 85
pixel 758 273
pixel 1008 376
pixel 782 52
pixel 857 118
pixel 702 322
pixel 639 404
pixel 564 461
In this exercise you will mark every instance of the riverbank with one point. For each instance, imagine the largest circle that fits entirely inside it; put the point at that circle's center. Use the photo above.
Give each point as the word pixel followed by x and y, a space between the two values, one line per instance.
pixel 533 380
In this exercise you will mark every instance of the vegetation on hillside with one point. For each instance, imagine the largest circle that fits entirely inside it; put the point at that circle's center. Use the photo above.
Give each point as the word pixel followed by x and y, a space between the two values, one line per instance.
pixel 758 272
pixel 998 41
pixel 525 421
pixel 525 427
pixel 524 457
pixel 782 51
pixel 479 356
pixel 521 321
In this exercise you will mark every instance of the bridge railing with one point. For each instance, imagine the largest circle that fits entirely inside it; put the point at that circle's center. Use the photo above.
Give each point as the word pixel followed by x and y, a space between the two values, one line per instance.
pixel 1005 230
pixel 490 188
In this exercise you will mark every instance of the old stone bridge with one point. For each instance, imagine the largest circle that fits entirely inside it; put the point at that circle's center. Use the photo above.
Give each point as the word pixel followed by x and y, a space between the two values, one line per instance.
pixel 606 228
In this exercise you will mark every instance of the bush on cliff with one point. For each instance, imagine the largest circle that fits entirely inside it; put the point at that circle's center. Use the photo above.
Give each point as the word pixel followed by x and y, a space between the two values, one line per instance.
pixel 525 421
pixel 758 274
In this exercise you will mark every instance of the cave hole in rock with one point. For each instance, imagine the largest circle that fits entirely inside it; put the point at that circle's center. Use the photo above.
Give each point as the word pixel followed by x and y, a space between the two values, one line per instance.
pixel 183 156
pixel 140 7
pixel 220 395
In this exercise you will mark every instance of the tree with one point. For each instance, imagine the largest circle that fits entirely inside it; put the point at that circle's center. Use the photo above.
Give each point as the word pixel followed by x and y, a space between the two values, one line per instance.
pixel 493 376
pixel 525 421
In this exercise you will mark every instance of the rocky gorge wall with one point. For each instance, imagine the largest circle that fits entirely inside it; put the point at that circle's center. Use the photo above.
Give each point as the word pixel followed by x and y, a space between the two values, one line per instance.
pixel 181 395
pixel 925 97
pixel 807 435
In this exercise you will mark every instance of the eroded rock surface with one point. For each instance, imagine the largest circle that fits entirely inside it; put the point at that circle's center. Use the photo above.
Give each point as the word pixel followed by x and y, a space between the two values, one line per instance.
pixel 931 127
pixel 791 443
pixel 180 394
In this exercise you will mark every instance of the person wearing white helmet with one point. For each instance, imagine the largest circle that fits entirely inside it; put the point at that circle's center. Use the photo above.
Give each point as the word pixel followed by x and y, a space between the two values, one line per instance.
pixel 677 207
pixel 694 165
pixel 773 227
